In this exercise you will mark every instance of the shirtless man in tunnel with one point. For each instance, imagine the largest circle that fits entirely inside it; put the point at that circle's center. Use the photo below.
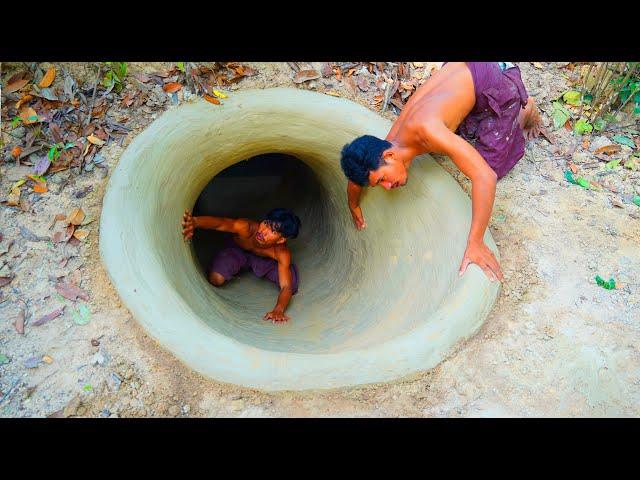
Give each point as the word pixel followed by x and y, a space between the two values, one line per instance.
pixel 259 246
pixel 476 113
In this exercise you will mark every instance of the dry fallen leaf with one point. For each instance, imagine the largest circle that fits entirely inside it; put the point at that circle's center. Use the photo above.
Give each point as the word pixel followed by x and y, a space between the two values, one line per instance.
pixel 332 93
pixel 538 65
pixel 574 168
pixel 19 323
pixel 305 76
pixel 60 217
pixel 47 318
pixel 172 87
pixel 219 94
pixel 40 187
pixel 13 199
pixel 15 153
pixel 95 140
pixel 608 149
pixel 76 217
pixel 23 100
pixel 48 78
pixel 15 86
pixel 211 99
pixel 71 292
pixel 47 359
pixel 81 234
pixel 418 64
pixel 28 115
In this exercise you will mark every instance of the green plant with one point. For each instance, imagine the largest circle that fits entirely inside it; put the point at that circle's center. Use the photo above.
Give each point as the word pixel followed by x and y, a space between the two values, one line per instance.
pixel 56 149
pixel 114 77
pixel 607 87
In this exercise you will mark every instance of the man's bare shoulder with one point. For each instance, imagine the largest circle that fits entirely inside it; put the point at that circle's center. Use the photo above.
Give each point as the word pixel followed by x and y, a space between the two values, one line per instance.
pixel 244 226
pixel 282 253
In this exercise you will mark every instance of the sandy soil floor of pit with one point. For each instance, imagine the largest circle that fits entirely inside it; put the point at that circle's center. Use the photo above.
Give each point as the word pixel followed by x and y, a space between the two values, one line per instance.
pixel 555 344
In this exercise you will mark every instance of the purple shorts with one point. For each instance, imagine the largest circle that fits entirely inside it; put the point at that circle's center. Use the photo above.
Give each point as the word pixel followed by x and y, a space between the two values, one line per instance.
pixel 233 259
pixel 492 126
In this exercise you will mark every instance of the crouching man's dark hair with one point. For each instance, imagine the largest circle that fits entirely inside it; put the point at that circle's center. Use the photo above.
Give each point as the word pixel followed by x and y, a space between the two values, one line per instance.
pixel 283 221
pixel 361 156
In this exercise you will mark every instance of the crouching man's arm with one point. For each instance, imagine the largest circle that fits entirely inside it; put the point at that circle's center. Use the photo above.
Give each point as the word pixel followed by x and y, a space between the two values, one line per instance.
pixel 483 190
pixel 353 199
pixel 286 288
pixel 190 223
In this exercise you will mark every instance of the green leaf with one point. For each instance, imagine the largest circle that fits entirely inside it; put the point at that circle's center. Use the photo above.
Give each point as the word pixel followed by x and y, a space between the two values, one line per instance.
pixel 610 117
pixel 69 145
pixel 560 115
pixel 624 140
pixel 180 66
pixel 569 176
pixel 584 183
pixel 108 80
pixel 81 316
pixel 588 98
pixel 613 164
pixel 636 200
pixel 636 110
pixel 610 285
pixel 19 183
pixel 630 164
pixel 87 388
pixel 624 94
pixel 15 122
pixel 3 359
pixel 582 126
pixel 599 124
pixel 572 97
pixel 53 153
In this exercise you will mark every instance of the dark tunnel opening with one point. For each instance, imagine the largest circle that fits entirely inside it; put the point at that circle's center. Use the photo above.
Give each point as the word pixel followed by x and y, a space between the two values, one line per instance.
pixel 249 189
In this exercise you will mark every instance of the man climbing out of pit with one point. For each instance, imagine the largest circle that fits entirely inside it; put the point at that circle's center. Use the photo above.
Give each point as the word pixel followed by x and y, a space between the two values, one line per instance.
pixel 259 246
pixel 486 104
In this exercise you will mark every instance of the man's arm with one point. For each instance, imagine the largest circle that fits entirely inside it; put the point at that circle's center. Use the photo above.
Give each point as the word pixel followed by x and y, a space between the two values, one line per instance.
pixel 286 288
pixel 483 190
pixel 234 225
pixel 353 198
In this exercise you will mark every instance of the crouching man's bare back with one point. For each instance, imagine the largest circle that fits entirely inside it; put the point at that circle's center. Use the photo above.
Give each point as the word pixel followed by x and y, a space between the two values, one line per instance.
pixel 476 113
pixel 257 246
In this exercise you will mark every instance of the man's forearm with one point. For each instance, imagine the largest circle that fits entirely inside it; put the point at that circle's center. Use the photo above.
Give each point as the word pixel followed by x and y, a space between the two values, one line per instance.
pixel 283 299
pixel 483 192
pixel 353 194
pixel 207 223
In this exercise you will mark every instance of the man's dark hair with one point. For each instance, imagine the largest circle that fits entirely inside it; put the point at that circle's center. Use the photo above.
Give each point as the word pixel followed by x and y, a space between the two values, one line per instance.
pixel 361 156
pixel 283 221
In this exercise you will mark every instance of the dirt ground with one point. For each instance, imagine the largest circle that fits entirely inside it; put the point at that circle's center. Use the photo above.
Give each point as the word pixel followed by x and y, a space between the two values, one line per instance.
pixel 555 344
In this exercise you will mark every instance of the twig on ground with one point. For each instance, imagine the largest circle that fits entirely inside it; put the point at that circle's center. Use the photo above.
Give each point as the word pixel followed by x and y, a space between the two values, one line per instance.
pixel 93 97
pixel 6 395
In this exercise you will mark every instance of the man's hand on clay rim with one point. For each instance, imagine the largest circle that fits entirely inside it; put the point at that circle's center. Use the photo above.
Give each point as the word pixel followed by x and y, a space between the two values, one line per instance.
pixel 481 255
pixel 358 218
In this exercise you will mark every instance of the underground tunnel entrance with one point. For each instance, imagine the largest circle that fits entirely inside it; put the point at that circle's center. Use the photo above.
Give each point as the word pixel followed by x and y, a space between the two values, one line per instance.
pixel 251 188
pixel 373 305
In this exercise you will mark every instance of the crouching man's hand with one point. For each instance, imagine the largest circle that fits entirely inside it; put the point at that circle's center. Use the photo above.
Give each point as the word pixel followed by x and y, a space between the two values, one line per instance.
pixel 276 316
pixel 358 218
pixel 478 253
